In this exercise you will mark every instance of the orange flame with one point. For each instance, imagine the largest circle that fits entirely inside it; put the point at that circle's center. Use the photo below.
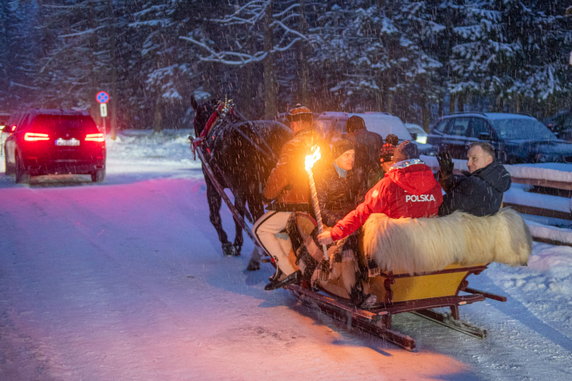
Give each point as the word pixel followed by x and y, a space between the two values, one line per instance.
pixel 313 157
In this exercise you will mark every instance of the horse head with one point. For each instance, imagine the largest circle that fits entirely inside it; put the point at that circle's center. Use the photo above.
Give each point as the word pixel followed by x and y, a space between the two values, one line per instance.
pixel 203 112
pixel 213 112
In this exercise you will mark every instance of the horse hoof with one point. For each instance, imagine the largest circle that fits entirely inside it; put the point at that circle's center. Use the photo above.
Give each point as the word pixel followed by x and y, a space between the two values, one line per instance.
pixel 228 249
pixel 253 266
pixel 236 251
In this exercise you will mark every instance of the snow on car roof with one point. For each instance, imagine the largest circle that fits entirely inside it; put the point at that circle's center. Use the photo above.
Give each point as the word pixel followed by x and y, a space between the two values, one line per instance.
pixel 500 115
pixel 379 122
pixel 385 124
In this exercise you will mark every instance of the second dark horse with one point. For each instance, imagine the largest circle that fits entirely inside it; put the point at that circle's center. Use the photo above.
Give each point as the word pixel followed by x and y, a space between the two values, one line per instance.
pixel 241 154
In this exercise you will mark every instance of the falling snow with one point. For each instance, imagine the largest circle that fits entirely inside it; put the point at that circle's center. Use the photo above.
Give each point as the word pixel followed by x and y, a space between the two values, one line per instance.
pixel 125 280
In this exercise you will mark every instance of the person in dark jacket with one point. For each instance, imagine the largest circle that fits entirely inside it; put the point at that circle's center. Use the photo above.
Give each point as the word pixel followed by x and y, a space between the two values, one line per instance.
pixel 288 189
pixel 339 185
pixel 478 192
pixel 368 148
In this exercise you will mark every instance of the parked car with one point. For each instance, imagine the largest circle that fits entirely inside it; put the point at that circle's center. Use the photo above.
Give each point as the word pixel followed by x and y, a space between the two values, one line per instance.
pixel 561 125
pixel 417 132
pixel 54 142
pixel 332 123
pixel 516 138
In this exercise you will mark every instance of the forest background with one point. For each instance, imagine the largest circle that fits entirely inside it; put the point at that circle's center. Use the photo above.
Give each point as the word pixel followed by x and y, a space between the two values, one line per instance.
pixel 414 59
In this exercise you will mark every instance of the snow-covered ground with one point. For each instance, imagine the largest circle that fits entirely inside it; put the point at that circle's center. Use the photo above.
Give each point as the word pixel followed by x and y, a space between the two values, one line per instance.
pixel 125 280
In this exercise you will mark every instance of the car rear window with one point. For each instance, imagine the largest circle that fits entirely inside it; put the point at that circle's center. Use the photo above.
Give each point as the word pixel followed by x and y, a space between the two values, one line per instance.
pixel 441 125
pixel 82 123
pixel 459 127
pixel 522 129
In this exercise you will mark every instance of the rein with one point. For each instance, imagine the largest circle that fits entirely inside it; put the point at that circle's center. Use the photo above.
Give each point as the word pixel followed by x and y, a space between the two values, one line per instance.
pixel 221 110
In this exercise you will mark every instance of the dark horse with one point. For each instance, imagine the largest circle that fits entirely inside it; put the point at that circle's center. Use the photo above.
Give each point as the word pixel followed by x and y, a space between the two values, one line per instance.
pixel 241 154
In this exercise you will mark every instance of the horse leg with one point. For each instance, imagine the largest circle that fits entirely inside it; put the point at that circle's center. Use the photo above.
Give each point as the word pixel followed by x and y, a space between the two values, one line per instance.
pixel 215 202
pixel 256 210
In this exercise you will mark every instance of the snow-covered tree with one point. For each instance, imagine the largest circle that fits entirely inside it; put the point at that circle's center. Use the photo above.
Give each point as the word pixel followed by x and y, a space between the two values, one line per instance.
pixel 372 55
pixel 509 51
pixel 255 32
pixel 86 50
pixel 165 66
pixel 20 52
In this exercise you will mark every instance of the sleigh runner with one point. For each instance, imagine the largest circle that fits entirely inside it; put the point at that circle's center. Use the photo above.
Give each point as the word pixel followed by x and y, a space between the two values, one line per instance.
pixel 404 293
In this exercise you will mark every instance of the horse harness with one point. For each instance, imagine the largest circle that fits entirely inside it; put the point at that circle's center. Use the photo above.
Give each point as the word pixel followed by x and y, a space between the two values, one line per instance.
pixel 214 122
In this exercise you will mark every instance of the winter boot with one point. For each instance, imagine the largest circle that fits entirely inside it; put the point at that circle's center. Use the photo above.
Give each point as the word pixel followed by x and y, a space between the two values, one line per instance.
pixel 293 278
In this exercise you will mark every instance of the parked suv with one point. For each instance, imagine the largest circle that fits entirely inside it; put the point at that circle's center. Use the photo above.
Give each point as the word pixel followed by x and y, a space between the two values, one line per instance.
pixel 561 125
pixel 55 142
pixel 516 138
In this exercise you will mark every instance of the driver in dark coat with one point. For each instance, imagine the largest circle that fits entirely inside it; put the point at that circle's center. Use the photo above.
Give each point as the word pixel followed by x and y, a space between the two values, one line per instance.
pixel 288 189
pixel 478 192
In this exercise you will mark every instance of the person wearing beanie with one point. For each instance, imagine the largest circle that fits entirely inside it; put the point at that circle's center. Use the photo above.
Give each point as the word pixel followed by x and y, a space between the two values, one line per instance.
pixel 340 188
pixel 338 184
pixel 408 189
pixel 391 141
pixel 288 190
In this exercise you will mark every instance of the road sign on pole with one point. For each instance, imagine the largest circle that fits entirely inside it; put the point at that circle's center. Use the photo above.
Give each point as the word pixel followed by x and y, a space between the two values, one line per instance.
pixel 103 110
pixel 102 97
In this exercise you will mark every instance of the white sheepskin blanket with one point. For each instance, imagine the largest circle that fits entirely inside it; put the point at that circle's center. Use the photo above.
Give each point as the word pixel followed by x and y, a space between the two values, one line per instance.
pixel 414 245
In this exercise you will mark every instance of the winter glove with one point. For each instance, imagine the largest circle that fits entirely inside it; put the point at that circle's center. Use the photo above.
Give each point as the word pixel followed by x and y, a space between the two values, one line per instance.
pixel 446 164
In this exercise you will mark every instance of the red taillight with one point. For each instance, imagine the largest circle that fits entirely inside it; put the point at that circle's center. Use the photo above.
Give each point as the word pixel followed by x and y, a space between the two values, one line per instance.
pixel 99 137
pixel 35 136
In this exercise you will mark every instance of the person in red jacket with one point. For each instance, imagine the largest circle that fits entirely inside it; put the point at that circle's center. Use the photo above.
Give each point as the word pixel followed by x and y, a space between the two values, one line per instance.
pixel 408 189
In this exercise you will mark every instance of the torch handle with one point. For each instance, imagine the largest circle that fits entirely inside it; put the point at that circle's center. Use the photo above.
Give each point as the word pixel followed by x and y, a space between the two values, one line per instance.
pixel 317 212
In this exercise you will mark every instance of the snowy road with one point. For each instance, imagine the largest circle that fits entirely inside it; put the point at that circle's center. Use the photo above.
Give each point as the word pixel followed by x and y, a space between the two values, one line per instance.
pixel 124 280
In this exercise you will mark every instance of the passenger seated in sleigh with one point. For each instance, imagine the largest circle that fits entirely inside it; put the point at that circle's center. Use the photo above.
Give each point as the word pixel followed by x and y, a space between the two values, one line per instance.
pixel 340 187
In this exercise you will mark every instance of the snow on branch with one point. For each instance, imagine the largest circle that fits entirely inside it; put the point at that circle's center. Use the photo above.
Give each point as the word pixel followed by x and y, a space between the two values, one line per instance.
pixel 248 15
pixel 227 57
pixel 254 12
pixel 83 32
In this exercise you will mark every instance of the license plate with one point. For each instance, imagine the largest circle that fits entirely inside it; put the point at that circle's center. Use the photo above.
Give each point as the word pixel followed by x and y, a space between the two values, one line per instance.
pixel 67 142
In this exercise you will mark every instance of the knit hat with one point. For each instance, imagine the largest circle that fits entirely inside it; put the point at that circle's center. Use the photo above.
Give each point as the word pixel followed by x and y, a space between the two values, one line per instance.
pixel 405 151
pixel 342 145
pixel 299 112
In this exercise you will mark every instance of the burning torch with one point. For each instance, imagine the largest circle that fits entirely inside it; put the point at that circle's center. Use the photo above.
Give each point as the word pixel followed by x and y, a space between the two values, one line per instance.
pixel 310 161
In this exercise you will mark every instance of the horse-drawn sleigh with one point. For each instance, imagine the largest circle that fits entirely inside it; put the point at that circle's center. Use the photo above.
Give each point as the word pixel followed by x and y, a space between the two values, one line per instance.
pixel 413 265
